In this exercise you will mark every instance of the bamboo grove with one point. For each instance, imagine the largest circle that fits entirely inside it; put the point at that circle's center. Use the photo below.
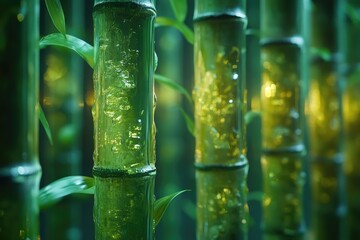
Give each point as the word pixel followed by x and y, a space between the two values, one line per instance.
pixel 273 118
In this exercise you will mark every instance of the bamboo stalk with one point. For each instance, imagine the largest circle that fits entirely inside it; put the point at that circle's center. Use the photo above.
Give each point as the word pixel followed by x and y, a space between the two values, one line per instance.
pixel 282 117
pixel 253 128
pixel 62 103
pixel 221 166
pixel 325 135
pixel 124 164
pixel 19 167
pixel 351 111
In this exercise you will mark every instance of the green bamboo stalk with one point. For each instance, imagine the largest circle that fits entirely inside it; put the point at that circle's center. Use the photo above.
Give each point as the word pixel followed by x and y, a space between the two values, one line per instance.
pixel 325 131
pixel 62 103
pixel 124 164
pixel 282 118
pixel 351 111
pixel 221 165
pixel 253 128
pixel 19 167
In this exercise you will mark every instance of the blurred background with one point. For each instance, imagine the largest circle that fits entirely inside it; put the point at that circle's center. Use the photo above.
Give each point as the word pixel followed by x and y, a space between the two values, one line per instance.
pixel 67 97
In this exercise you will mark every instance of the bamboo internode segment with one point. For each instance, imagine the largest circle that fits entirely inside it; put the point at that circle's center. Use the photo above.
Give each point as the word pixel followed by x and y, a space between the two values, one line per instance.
pixel 219 96
pixel 282 55
pixel 283 179
pixel 19 89
pixel 124 207
pixel 123 109
pixel 280 91
pixel 219 91
pixel 281 19
pixel 124 161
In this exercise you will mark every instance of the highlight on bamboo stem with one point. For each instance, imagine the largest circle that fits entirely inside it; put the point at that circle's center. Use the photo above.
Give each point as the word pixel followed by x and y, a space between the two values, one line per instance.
pixel 324 120
pixel 221 166
pixel 351 118
pixel 282 54
pixel 19 167
pixel 124 163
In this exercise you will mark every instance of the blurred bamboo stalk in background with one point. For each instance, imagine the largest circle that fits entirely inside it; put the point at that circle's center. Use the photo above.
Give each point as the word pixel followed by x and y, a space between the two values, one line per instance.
pixel 170 128
pixel 124 133
pixel 253 122
pixel 351 110
pixel 324 120
pixel 19 167
pixel 221 165
pixel 63 104
pixel 282 60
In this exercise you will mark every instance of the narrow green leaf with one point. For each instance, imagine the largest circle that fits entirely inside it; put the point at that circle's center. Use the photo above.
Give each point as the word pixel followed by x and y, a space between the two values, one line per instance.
pixel 63 187
pixel 323 53
pixel 251 115
pixel 179 8
pixel 162 204
pixel 174 85
pixel 44 123
pixel 189 122
pixel 56 14
pixel 352 13
pixel 85 50
pixel 185 30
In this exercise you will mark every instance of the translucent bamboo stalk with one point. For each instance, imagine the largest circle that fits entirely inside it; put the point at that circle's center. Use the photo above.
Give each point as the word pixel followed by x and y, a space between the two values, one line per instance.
pixel 325 131
pixel 351 110
pixel 282 118
pixel 253 128
pixel 221 166
pixel 63 104
pixel 124 164
pixel 19 168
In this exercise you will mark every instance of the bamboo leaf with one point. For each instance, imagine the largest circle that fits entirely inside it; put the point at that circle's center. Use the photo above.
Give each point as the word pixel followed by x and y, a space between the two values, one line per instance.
pixel 185 30
pixel 179 8
pixel 63 187
pixel 85 50
pixel 45 123
pixel 353 14
pixel 162 204
pixel 56 14
pixel 174 85
pixel 251 115
pixel 323 53
pixel 189 122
